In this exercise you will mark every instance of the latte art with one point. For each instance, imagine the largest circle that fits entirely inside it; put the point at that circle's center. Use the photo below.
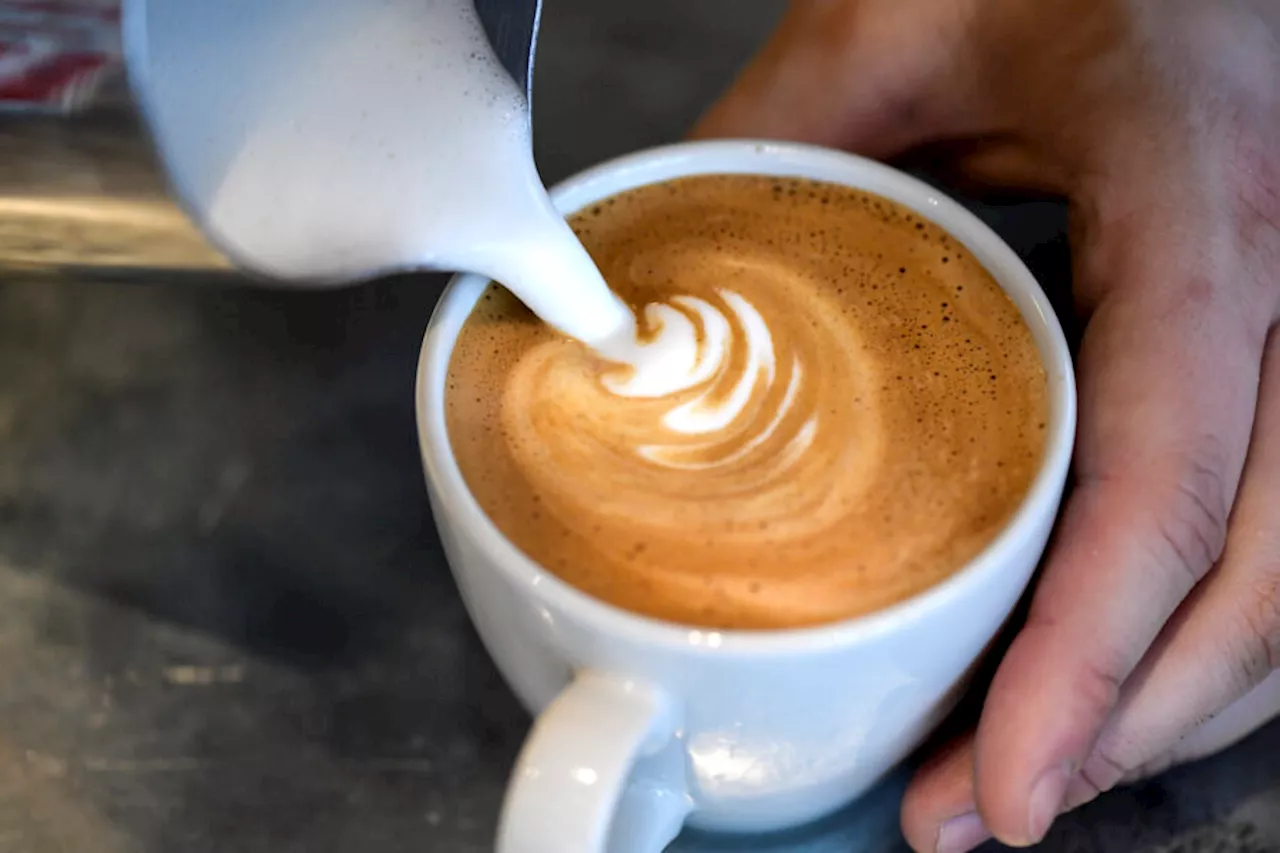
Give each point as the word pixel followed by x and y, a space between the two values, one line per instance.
pixel 824 407
pixel 708 411
pixel 692 347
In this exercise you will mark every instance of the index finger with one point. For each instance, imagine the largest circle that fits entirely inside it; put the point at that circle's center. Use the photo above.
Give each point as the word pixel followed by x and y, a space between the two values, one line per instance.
pixel 1168 384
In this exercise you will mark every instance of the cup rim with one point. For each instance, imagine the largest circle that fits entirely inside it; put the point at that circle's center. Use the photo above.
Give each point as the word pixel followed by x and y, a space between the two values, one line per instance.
pixel 455 502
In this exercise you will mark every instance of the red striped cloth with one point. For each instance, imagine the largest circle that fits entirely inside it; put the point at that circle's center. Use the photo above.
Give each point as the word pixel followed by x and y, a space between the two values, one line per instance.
pixel 54 54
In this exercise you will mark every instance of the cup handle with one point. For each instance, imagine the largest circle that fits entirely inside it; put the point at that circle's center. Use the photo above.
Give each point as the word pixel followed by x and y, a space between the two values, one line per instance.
pixel 601 772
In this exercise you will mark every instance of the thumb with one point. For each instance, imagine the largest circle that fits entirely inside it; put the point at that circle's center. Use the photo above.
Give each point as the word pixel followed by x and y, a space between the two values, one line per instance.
pixel 874 76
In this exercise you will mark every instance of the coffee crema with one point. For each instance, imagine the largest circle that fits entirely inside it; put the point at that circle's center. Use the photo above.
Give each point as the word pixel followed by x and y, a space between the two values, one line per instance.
pixel 828 407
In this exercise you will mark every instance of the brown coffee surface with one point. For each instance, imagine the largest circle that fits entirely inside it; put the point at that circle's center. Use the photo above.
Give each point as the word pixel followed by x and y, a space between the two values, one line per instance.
pixel 896 426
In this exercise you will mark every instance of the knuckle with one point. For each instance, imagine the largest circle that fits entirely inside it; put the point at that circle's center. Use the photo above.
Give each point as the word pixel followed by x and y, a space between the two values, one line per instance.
pixel 1095 671
pixel 1186 528
pixel 1194 529
pixel 1103 770
pixel 1080 792
pixel 1098 684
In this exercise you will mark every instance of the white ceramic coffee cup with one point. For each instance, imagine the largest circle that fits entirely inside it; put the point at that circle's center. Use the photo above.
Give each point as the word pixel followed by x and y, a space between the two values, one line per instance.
pixel 642 725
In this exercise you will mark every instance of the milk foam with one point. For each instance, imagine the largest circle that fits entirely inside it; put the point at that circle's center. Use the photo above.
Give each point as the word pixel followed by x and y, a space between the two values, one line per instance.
pixel 689 347
pixel 335 139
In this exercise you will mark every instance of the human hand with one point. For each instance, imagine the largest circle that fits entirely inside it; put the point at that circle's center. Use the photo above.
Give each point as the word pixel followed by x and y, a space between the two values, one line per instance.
pixel 1154 634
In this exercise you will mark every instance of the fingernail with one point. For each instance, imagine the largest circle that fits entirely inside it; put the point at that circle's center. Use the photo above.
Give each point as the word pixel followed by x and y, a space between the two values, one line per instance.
pixel 1046 802
pixel 961 834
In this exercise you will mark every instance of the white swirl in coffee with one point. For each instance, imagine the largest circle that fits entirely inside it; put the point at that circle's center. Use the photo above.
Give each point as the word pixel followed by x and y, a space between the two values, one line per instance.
pixel 693 347
pixel 826 406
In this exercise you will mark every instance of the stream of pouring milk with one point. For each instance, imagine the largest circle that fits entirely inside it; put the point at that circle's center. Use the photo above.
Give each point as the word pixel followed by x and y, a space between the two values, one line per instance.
pixel 336 139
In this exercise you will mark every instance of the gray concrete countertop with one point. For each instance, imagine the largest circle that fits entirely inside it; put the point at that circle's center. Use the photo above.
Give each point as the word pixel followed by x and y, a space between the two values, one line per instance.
pixel 225 621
